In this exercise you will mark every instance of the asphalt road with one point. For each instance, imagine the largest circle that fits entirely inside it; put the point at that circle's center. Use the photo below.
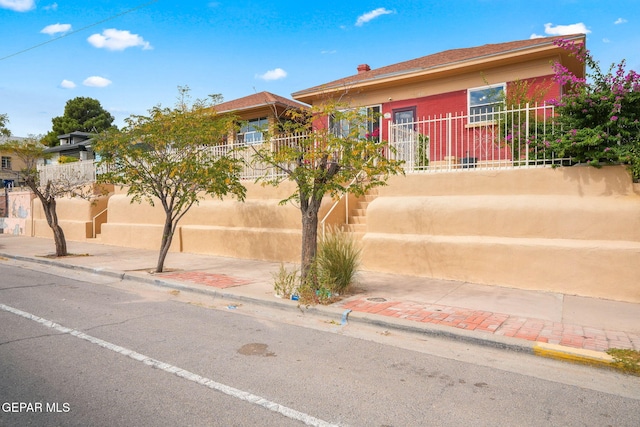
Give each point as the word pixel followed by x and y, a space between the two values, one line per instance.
pixel 81 349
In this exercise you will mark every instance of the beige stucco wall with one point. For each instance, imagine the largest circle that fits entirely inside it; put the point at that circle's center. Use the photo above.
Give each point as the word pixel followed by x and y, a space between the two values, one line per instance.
pixel 75 216
pixel 571 230
pixel 258 228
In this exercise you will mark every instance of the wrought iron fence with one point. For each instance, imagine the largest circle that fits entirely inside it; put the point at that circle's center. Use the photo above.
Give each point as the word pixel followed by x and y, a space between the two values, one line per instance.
pixel 518 137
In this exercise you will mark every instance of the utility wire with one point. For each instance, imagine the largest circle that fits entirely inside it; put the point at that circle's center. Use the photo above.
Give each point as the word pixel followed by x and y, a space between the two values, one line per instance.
pixel 79 30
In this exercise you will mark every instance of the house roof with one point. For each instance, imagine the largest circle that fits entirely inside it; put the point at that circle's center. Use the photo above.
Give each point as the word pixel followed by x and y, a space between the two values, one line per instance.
pixel 78 146
pixel 257 100
pixel 76 133
pixel 457 58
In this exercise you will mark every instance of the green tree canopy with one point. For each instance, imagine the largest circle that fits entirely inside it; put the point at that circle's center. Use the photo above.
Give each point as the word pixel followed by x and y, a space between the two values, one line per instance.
pixel 80 114
pixel 171 157
pixel 4 131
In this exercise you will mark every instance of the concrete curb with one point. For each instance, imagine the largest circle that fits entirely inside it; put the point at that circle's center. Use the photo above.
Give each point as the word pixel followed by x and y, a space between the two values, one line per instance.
pixel 574 355
pixel 552 351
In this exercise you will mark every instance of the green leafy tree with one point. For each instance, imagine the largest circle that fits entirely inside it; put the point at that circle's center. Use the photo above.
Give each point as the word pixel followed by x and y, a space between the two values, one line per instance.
pixel 170 157
pixel 332 157
pixel 48 190
pixel 81 114
pixel 600 115
pixel 4 131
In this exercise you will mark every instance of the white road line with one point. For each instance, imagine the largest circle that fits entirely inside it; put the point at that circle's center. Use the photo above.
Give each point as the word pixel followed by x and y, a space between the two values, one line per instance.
pixel 233 392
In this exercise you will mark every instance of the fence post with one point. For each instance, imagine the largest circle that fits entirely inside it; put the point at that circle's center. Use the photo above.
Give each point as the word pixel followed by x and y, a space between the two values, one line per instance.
pixel 449 157
pixel 526 141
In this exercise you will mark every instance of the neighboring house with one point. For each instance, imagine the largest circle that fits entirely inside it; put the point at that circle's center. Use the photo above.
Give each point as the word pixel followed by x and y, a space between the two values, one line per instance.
pixel 10 165
pixel 470 83
pixel 257 112
pixel 75 145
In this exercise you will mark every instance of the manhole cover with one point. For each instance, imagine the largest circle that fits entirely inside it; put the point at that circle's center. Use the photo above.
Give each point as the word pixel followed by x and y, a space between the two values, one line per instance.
pixel 376 299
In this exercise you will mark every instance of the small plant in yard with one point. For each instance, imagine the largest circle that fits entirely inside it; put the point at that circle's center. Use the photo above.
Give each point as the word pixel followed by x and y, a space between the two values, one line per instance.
pixel 422 151
pixel 337 261
pixel 627 360
pixel 285 282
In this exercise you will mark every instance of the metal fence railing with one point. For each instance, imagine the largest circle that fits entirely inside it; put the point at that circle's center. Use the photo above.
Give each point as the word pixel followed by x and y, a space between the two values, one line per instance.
pixel 517 137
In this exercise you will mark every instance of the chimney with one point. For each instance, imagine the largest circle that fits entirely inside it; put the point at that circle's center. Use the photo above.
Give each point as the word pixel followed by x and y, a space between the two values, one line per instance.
pixel 362 68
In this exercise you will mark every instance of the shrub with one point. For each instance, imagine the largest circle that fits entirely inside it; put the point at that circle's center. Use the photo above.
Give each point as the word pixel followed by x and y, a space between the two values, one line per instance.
pixel 600 118
pixel 337 262
pixel 626 360
pixel 285 283
pixel 67 159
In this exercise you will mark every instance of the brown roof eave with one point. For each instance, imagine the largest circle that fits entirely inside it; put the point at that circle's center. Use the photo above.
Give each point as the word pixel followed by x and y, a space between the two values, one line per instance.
pixel 257 107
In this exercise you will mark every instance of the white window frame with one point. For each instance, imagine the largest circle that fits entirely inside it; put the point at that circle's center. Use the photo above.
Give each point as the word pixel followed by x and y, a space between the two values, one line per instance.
pixel 6 162
pixel 483 112
pixel 342 129
pixel 251 131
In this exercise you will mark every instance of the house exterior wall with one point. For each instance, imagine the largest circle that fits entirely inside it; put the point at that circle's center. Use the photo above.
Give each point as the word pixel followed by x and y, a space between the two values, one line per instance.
pixel 447 93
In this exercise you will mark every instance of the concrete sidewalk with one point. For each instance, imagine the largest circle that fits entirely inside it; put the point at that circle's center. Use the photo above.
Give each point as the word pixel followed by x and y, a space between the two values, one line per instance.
pixel 549 324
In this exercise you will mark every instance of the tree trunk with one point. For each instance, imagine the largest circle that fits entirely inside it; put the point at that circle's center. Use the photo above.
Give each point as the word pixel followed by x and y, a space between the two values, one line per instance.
pixel 49 206
pixel 167 237
pixel 309 237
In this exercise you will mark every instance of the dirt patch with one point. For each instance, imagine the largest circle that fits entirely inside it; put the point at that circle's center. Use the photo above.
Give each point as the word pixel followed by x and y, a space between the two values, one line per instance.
pixel 54 256
pixel 256 349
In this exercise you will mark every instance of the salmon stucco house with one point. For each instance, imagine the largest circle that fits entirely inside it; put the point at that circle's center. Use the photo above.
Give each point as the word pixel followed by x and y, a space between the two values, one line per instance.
pixel 467 86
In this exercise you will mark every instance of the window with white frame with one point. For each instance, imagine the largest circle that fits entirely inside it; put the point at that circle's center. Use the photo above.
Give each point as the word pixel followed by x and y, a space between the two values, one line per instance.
pixel 6 162
pixel 485 101
pixel 341 127
pixel 251 131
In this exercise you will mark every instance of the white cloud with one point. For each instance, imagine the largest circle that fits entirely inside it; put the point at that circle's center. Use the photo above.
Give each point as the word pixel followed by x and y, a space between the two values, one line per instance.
pixel 56 28
pixel 67 84
pixel 364 18
pixel 606 41
pixel 53 6
pixel 276 74
pixel 620 21
pixel 536 36
pixel 564 30
pixel 113 39
pixel 17 5
pixel 96 81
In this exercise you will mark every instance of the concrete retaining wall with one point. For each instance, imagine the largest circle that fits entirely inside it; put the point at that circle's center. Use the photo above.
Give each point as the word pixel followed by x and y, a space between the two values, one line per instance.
pixel 573 230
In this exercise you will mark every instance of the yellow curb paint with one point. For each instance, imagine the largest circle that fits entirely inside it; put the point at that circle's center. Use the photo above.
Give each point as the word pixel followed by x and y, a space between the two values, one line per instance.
pixel 575 355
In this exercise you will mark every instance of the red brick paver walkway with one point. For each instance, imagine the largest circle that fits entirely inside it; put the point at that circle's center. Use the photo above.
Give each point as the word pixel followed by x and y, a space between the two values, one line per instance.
pixel 499 324
pixel 208 279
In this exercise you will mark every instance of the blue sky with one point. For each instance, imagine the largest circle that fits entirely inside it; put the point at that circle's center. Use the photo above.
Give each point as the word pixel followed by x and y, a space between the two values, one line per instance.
pixel 133 54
